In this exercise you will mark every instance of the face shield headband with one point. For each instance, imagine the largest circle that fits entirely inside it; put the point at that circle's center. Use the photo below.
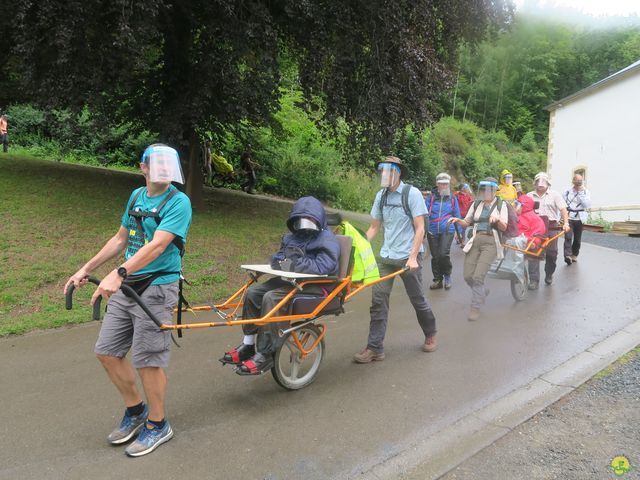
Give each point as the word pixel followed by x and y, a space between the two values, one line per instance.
pixel 389 174
pixel 164 164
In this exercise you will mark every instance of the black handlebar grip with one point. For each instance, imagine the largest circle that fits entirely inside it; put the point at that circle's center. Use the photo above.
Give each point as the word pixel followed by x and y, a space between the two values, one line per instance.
pixel 96 308
pixel 69 296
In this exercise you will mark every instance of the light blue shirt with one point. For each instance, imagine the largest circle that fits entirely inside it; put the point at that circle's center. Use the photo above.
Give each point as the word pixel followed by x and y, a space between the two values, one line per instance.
pixel 398 227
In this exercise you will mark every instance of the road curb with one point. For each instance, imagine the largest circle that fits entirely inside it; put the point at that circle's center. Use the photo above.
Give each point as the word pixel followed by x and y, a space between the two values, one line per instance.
pixel 440 452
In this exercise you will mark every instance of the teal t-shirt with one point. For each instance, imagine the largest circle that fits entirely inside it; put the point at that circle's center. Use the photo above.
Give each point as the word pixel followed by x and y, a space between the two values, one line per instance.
pixel 175 217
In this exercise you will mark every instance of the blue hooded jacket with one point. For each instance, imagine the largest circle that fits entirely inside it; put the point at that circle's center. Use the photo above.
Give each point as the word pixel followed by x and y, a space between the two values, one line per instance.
pixel 315 252
pixel 441 209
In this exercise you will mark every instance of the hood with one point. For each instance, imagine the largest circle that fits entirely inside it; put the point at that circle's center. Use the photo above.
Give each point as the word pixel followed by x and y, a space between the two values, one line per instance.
pixel 527 203
pixel 502 174
pixel 308 207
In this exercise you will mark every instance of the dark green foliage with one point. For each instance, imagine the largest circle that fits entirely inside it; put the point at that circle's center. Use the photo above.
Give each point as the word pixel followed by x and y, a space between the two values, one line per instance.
pixel 506 82
pixel 180 67
pixel 64 133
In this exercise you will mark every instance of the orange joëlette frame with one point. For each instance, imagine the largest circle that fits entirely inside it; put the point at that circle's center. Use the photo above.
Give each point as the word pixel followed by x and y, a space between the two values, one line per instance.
pixel 271 317
pixel 535 253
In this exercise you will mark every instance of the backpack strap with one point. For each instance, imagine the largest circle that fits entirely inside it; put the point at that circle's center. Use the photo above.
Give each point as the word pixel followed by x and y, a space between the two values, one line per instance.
pixel 383 201
pixel 155 214
pixel 405 201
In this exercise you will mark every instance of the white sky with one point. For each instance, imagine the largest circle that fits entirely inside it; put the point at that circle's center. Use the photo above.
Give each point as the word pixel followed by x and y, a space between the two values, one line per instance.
pixel 591 7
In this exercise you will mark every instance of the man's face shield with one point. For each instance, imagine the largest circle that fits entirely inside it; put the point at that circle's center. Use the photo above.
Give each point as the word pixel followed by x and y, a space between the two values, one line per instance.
pixel 164 165
pixel 304 224
pixel 443 188
pixel 518 186
pixel 508 179
pixel 389 174
pixel 487 190
pixel 578 182
pixel 541 184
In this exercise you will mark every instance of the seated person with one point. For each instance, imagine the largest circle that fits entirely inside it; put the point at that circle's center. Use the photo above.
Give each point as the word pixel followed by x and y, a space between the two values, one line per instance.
pixel 529 223
pixel 310 248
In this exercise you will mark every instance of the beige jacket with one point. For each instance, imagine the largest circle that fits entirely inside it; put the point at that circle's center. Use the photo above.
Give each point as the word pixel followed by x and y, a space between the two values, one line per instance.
pixel 472 218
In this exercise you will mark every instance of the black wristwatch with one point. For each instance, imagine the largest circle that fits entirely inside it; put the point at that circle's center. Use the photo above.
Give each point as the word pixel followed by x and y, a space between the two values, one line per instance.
pixel 122 272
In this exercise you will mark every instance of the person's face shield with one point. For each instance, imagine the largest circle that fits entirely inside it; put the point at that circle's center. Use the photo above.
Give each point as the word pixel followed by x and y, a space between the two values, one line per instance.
pixel 541 185
pixel 508 179
pixel 518 186
pixel 517 206
pixel 443 188
pixel 389 174
pixel 487 191
pixel 305 224
pixel 578 183
pixel 164 165
pixel 466 188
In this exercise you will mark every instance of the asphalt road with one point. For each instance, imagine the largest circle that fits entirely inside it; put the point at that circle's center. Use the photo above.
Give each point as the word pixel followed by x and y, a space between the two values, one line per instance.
pixel 58 406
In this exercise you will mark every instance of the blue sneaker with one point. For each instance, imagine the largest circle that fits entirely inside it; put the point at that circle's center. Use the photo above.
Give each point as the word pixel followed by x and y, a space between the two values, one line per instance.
pixel 149 439
pixel 129 427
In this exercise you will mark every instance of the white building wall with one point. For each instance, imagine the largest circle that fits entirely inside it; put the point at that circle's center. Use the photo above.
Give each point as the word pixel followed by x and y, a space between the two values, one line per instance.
pixel 600 132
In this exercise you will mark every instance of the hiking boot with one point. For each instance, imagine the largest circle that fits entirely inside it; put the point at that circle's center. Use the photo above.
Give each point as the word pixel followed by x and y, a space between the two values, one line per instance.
pixel 474 314
pixel 368 356
pixel 533 285
pixel 447 282
pixel 129 427
pixel 149 439
pixel 437 284
pixel 548 279
pixel 574 258
pixel 568 260
pixel 237 355
pixel 430 344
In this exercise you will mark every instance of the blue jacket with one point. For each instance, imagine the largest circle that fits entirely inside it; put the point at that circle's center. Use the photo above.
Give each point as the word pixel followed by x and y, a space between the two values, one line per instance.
pixel 314 252
pixel 440 210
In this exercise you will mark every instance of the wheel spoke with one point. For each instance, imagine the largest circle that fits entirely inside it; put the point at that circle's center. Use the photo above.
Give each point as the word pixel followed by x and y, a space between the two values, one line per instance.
pixel 291 346
pixel 295 366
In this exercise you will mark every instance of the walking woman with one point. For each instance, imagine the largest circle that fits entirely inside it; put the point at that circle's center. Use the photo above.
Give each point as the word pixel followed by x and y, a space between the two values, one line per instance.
pixel 441 205
pixel 488 216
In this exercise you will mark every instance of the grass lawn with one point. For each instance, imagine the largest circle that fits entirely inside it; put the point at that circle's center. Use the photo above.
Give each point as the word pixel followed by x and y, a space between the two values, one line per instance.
pixel 55 216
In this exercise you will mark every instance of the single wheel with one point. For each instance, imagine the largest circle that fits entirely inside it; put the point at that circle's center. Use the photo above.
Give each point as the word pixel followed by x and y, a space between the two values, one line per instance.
pixel 518 289
pixel 290 370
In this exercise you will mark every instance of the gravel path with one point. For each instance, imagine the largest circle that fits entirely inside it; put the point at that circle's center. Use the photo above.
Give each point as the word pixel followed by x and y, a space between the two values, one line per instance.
pixel 613 240
pixel 574 439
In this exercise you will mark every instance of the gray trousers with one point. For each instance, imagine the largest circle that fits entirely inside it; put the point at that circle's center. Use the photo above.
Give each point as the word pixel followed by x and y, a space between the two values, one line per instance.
pixel 440 247
pixel 259 300
pixel 477 262
pixel 380 303
pixel 550 256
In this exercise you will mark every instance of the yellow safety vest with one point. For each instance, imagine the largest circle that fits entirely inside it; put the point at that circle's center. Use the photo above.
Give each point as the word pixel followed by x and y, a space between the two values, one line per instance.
pixel 365 268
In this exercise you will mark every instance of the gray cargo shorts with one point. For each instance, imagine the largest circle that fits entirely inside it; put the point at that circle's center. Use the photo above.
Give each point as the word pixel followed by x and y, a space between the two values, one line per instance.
pixel 126 327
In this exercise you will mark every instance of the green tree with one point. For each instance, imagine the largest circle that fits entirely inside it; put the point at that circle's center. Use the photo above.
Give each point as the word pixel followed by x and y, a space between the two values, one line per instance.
pixel 183 67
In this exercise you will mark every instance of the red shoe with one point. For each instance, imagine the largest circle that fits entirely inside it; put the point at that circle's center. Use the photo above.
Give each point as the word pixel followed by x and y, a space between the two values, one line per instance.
pixel 256 365
pixel 237 355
